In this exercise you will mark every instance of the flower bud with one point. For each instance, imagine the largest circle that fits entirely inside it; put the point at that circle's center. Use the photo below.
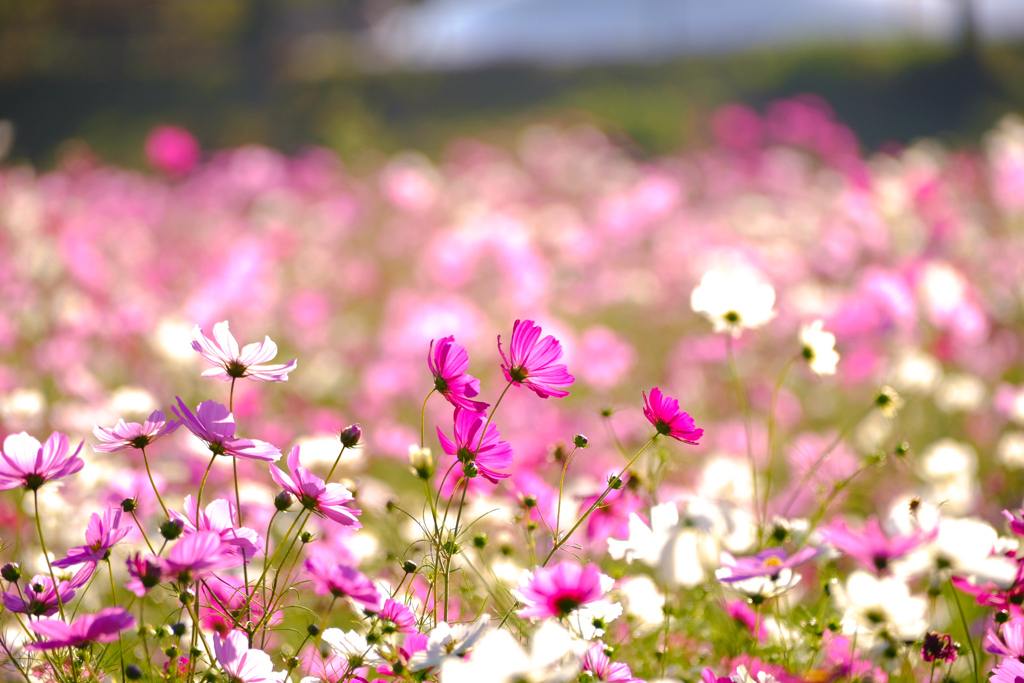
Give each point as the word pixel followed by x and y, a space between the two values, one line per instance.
pixel 172 528
pixel 615 482
pixel 409 567
pixel 480 541
pixel 530 500
pixel 470 470
pixel 306 537
pixel 313 630
pixel 283 501
pixel 129 505
pixel 422 462
pixel 580 441
pixel 11 572
pixel 351 435
pixel 178 629
pixel 171 651
pixel 132 672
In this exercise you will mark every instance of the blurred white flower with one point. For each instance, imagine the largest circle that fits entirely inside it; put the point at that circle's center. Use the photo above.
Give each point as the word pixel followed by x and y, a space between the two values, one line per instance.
pixel 733 300
pixel 819 348
pixel 590 621
pixel 742 675
pixel 1010 449
pixel 351 646
pixel 445 641
pixel 960 393
pixel 643 599
pixel 966 547
pixel 873 604
pixel 916 372
pixel 948 459
pixel 555 657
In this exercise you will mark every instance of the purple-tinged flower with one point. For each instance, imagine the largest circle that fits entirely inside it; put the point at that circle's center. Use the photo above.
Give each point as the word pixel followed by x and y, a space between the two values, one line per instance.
pixel 769 562
pixel 198 555
pixel 448 363
pixel 132 434
pixel 939 646
pixel 101 627
pixel 224 603
pixel 492 455
pixel 343 582
pixel 1009 670
pixel 100 536
pixel 532 361
pixel 326 500
pixel 602 668
pixel 214 424
pixel 27 463
pixel 39 599
pixel 1009 641
pixel 663 412
pixel 872 547
pixel 558 591
pixel 241 664
pixel 222 351
pixel 397 616
pixel 219 517
pixel 146 573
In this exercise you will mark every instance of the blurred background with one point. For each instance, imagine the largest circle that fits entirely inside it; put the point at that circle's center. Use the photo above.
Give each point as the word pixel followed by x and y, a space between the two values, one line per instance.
pixel 365 77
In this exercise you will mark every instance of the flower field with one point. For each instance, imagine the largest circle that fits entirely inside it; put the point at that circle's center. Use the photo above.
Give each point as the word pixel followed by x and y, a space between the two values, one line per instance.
pixel 748 412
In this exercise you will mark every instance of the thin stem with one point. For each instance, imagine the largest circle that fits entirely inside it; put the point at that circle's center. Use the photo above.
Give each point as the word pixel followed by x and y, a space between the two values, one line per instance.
pixel 202 485
pixel 423 418
pixel 231 396
pixel 771 435
pixel 455 536
pixel 618 478
pixel 335 465
pixel 561 486
pixel 152 482
pixel 490 416
pixel 10 657
pixel 143 532
pixel 741 396
pixel 238 507
pixel 113 600
pixel 46 555
pixel 967 631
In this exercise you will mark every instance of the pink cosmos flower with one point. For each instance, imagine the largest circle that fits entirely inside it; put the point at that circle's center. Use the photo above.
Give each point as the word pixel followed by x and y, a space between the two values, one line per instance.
pixel 146 573
pixel 132 434
pixel 241 664
pixel 101 627
pixel 663 412
pixel 602 668
pixel 492 455
pixel 197 555
pixel 39 599
pixel 611 518
pixel 224 603
pixel 871 546
pixel 768 562
pixel 219 517
pixel 448 363
pixel 1009 641
pixel 100 536
pixel 326 500
pixel 231 364
pixel 533 363
pixel 27 463
pixel 215 425
pixel 557 591
pixel 1009 670
pixel 397 617
pixel 343 582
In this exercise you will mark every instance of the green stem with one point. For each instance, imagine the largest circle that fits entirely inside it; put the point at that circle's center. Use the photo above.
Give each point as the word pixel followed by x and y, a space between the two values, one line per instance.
pixel 113 600
pixel 423 418
pixel 741 396
pixel 335 465
pixel 202 485
pixel 967 631
pixel 618 478
pixel 152 482
pixel 771 436
pixel 561 486
pixel 143 532
pixel 46 555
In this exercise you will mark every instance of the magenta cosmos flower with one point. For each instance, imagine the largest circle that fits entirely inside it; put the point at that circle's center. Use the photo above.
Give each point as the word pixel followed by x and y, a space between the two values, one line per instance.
pixel 231 364
pixel 871 546
pixel 326 500
pixel 533 361
pixel 602 668
pixel 343 582
pixel 100 536
pixel 557 591
pixel 493 453
pixel 241 664
pixel 219 517
pixel 214 424
pixel 768 562
pixel 663 412
pixel 101 627
pixel 38 598
pixel 198 555
pixel 448 363
pixel 1010 670
pixel 132 434
pixel 27 463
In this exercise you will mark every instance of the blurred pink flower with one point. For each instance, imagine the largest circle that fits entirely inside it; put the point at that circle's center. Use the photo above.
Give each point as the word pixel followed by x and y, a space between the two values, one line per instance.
pixel 326 500
pixel 198 555
pixel 219 517
pixel 602 668
pixel 343 582
pixel 27 463
pixel 531 361
pixel 241 664
pixel 663 412
pixel 215 425
pixel 448 363
pixel 872 547
pixel 146 573
pixel 172 150
pixel 100 536
pixel 489 454
pixel 222 351
pixel 132 434
pixel 101 627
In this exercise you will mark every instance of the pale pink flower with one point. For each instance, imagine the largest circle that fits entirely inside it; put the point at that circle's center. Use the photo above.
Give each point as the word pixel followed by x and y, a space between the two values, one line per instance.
pixel 343 582
pixel 101 627
pixel 533 362
pixel 198 555
pixel 231 364
pixel 214 424
pixel 100 536
pixel 241 664
pixel 132 434
pixel 219 517
pixel 27 463
pixel 326 500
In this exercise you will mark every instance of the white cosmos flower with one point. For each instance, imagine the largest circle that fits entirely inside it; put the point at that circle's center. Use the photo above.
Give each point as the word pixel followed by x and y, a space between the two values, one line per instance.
pixel 643 599
pixel 819 348
pixel 742 675
pixel 590 621
pixel 555 657
pixel 733 299
pixel 966 547
pixel 445 641
pixel 873 604
pixel 351 646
